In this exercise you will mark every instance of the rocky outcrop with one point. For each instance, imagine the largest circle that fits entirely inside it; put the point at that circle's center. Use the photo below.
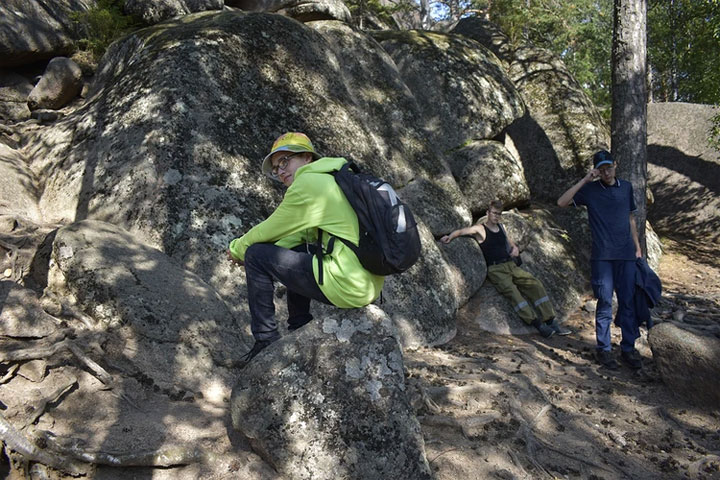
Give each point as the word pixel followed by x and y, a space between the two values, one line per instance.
pixel 31 31
pixel 158 168
pixel 156 11
pixel 561 129
pixel 330 402
pixel 460 86
pixel 688 363
pixel 189 182
pixel 61 82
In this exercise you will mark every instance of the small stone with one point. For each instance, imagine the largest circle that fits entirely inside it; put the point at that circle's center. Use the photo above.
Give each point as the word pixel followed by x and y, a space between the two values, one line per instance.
pixel 7 273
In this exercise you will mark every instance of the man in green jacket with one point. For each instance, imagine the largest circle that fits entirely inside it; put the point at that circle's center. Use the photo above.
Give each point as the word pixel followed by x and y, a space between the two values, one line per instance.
pixel 282 248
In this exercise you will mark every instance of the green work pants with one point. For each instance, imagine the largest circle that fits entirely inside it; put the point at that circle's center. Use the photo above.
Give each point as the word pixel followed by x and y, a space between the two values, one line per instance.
pixel 523 290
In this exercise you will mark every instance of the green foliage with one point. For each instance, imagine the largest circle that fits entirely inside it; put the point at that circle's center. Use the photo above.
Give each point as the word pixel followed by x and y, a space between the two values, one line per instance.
pixel 383 11
pixel 101 25
pixel 683 48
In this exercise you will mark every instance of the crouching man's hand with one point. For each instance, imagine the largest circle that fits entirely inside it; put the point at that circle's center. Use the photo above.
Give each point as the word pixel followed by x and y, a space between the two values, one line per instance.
pixel 234 260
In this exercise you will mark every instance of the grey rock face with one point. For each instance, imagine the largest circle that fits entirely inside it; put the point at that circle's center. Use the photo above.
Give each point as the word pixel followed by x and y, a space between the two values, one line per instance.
pixel 688 362
pixel 14 90
pixel 485 170
pixel 32 31
pixel 155 11
pixel 18 185
pixel 176 323
pixel 61 82
pixel 461 88
pixel 329 402
pixel 683 170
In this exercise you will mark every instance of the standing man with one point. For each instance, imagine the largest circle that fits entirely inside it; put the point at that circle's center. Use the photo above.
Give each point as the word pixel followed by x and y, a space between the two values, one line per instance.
pixel 615 248
pixel 282 247
pixel 511 281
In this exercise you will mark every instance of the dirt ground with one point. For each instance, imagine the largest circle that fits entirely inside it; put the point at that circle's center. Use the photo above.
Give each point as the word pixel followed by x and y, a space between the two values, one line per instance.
pixel 509 407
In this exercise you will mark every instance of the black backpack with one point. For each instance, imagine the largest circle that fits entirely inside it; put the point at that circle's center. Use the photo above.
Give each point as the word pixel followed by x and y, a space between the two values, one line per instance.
pixel 389 239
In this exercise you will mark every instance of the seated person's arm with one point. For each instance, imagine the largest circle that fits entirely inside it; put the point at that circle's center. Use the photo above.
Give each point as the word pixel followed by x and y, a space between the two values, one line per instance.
pixel 471 230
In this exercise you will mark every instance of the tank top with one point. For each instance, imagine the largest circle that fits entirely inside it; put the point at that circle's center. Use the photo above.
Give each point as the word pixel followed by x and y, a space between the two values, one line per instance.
pixel 494 247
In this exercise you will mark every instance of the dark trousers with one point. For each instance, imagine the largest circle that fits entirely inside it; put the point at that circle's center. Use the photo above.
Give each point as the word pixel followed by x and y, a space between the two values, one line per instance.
pixel 617 275
pixel 266 263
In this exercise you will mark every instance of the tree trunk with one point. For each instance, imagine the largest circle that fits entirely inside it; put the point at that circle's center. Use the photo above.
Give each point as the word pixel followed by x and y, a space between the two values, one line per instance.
pixel 629 101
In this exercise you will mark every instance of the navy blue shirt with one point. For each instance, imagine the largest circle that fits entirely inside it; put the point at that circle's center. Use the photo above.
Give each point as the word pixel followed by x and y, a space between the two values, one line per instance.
pixel 609 213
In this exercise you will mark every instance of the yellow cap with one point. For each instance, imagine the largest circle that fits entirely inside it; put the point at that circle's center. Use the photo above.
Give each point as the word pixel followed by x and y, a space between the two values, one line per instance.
pixel 289 142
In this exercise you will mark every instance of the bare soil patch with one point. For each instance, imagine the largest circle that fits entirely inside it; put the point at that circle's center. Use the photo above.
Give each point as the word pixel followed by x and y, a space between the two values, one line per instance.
pixel 495 406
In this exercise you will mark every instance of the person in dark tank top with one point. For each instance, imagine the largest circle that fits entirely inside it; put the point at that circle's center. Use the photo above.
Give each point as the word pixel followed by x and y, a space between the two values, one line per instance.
pixel 525 292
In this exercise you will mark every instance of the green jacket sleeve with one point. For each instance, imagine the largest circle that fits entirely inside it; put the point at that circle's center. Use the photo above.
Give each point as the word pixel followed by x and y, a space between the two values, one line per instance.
pixel 286 226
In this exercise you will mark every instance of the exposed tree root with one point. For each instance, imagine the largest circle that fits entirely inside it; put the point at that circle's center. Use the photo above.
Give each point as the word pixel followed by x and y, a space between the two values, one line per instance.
pixel 44 352
pixel 39 407
pixel 17 442
pixel 168 456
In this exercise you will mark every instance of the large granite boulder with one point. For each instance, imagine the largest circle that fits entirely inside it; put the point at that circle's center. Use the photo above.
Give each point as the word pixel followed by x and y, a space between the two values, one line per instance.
pixel 61 82
pixel 485 170
pixel 689 363
pixel 462 89
pixel 155 11
pixel 168 323
pixel 329 402
pixel 189 181
pixel 561 129
pixel 31 31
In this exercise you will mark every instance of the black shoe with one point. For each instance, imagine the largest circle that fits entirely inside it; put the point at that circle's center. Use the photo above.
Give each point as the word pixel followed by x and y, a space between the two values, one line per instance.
pixel 544 329
pixel 607 360
pixel 257 348
pixel 298 321
pixel 557 328
pixel 632 359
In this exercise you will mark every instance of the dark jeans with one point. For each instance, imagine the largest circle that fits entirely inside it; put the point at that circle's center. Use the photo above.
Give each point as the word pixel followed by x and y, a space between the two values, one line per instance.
pixel 617 275
pixel 265 263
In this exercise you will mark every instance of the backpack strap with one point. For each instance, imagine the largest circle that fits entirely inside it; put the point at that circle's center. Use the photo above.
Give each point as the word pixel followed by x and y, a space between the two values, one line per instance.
pixel 319 251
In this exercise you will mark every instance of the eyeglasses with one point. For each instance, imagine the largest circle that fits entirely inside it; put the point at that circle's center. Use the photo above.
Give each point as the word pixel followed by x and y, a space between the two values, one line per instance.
pixel 282 164
pixel 606 168
pixel 499 214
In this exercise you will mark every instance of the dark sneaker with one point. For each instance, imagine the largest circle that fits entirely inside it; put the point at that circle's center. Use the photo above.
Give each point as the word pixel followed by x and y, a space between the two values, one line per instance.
pixel 257 348
pixel 607 360
pixel 557 328
pixel 544 329
pixel 632 359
